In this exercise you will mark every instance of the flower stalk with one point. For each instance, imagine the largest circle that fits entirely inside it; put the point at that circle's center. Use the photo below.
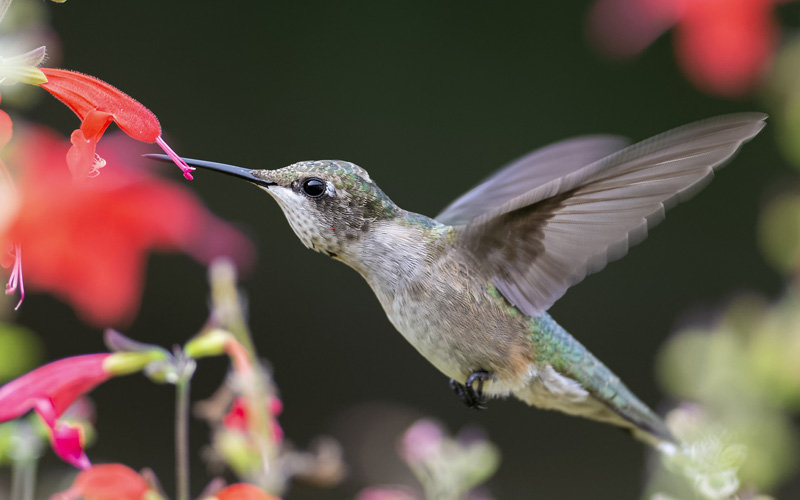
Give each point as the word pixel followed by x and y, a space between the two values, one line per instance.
pixel 184 370
pixel 27 449
pixel 182 438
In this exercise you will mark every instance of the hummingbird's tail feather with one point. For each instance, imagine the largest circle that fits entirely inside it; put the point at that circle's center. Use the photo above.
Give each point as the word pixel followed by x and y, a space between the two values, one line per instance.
pixel 645 425
pixel 571 379
pixel 624 410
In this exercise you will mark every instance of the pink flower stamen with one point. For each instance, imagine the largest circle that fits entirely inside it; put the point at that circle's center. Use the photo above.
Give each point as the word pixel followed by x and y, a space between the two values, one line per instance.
pixel 187 170
pixel 15 281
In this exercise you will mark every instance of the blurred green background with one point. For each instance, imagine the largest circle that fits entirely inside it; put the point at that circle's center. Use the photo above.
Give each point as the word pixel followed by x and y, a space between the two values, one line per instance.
pixel 429 97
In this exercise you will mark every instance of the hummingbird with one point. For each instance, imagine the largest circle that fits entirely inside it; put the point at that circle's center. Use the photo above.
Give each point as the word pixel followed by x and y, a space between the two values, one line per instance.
pixel 470 288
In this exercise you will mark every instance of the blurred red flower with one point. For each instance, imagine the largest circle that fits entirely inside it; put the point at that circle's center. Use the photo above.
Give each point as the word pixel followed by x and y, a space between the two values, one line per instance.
pixel 724 46
pixel 242 416
pixel 238 418
pixel 108 482
pixel 242 491
pixel 87 242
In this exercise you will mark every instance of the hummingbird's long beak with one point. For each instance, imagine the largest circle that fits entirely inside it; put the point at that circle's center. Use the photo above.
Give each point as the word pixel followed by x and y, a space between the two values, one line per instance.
pixel 240 172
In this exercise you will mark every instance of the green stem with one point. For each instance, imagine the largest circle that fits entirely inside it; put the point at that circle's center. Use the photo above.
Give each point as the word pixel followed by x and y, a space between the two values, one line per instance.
pixel 228 305
pixel 23 479
pixel 182 437
pixel 25 450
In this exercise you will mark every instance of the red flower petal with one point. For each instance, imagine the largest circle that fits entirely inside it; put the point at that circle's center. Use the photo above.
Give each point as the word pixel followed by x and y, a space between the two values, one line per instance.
pixel 67 441
pixel 242 491
pixel 725 46
pixel 275 406
pixel 238 417
pixel 84 94
pixel 82 156
pixel 106 482
pixel 5 128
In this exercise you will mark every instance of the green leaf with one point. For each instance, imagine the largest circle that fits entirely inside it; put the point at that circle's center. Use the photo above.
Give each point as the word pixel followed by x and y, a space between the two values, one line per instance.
pixel 20 351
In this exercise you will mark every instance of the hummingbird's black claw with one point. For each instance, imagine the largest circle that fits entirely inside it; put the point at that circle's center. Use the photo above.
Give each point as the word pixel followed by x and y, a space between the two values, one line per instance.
pixel 459 389
pixel 468 393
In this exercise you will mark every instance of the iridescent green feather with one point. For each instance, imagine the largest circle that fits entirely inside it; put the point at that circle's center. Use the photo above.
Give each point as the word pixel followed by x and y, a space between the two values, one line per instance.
pixel 554 346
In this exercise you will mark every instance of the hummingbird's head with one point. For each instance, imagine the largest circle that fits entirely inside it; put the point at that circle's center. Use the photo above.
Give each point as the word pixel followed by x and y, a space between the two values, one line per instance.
pixel 330 204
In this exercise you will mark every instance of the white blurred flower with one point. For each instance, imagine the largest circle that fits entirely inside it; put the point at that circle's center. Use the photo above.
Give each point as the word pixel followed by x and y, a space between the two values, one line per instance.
pixel 23 31
pixel 711 463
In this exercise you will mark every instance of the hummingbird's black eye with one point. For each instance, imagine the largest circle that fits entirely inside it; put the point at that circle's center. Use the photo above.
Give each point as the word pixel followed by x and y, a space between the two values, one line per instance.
pixel 314 187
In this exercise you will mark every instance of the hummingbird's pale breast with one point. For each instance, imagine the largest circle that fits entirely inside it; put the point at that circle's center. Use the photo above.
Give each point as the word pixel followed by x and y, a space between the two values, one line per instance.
pixel 440 303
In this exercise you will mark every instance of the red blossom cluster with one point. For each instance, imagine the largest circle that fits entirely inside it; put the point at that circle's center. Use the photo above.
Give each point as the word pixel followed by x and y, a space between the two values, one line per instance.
pixel 724 46
pixel 51 389
pixel 120 482
pixel 86 236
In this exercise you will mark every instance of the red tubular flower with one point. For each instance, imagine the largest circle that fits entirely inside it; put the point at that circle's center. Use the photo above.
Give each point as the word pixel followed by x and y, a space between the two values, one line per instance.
pixel 108 482
pixel 242 491
pixel 97 104
pixel 724 46
pixel 50 389
pixel 87 242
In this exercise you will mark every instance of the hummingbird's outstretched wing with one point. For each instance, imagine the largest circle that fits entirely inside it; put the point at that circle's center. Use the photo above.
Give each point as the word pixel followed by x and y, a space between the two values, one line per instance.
pixel 540 242
pixel 530 171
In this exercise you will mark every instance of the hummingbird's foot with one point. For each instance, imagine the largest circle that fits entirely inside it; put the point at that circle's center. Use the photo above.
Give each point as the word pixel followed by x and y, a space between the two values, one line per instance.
pixel 469 394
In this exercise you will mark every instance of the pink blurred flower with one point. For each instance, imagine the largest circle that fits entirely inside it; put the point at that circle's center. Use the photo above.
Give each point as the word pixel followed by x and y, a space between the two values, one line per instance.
pixel 422 441
pixel 50 389
pixel 387 493
pixel 724 46
pixel 108 482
